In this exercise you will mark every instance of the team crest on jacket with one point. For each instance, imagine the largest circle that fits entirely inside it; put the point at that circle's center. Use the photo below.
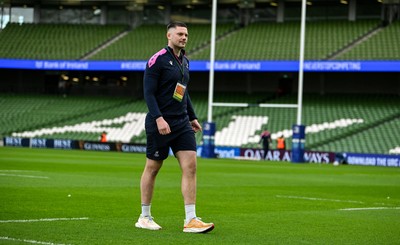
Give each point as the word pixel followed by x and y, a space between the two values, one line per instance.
pixel 170 62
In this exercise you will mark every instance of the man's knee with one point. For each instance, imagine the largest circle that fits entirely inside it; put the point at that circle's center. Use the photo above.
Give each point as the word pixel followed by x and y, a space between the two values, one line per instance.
pixel 153 167
pixel 187 160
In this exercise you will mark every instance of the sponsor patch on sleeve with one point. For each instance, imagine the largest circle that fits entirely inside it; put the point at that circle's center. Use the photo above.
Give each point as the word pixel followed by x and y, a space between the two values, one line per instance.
pixel 153 58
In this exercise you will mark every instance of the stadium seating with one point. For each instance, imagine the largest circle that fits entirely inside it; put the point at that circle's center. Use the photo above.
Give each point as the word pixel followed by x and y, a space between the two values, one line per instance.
pixel 53 41
pixel 273 41
pixel 354 123
pixel 336 123
pixel 23 112
pixel 258 41
pixel 145 40
pixel 382 46
pixel 139 44
pixel 329 119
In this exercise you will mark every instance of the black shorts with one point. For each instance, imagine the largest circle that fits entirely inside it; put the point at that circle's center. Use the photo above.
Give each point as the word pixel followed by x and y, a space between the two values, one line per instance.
pixel 180 139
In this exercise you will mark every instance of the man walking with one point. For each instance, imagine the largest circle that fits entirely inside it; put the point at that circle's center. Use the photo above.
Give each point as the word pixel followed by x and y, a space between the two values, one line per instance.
pixel 170 123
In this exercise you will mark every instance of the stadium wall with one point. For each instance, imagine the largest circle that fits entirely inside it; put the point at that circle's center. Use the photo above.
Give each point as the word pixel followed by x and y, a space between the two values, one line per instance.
pixel 221 152
pixel 46 82
pixel 122 12
pixel 314 82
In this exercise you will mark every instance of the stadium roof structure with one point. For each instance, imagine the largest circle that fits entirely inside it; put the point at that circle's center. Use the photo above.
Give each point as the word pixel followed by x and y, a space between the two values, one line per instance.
pixel 240 3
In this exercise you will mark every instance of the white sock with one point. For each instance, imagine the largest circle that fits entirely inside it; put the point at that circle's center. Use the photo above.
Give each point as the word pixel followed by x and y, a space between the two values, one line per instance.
pixel 146 210
pixel 190 211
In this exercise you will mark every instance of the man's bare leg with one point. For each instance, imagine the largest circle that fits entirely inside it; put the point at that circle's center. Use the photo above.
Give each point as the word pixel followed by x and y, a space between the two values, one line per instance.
pixel 188 163
pixel 148 180
pixel 147 183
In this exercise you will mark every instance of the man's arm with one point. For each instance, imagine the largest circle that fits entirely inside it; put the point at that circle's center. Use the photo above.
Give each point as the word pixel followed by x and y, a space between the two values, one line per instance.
pixel 190 109
pixel 163 126
pixel 192 115
pixel 150 85
pixel 196 126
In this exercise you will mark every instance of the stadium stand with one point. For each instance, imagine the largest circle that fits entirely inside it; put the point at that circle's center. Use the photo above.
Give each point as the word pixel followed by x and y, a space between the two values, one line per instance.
pixel 338 123
pixel 329 119
pixel 138 44
pixel 143 41
pixel 386 134
pixel 258 41
pixel 25 112
pixel 280 41
pixel 335 122
pixel 53 41
pixel 382 46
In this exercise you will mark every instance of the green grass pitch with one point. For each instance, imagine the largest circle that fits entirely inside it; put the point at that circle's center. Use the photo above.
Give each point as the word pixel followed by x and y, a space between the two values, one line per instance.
pixel 80 197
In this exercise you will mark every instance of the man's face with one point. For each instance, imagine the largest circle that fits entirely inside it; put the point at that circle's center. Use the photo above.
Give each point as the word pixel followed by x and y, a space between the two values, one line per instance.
pixel 177 37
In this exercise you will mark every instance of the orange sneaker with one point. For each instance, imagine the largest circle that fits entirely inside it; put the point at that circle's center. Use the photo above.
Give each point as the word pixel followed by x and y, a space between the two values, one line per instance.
pixel 197 226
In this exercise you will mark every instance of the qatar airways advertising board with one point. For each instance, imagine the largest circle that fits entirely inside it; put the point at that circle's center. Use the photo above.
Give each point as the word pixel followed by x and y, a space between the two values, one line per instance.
pixel 286 155
pixel 272 155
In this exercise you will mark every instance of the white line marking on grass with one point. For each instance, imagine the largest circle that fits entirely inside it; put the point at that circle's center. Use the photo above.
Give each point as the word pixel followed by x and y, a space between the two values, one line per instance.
pixel 368 208
pixel 42 220
pixel 318 199
pixel 29 241
pixel 15 170
pixel 25 176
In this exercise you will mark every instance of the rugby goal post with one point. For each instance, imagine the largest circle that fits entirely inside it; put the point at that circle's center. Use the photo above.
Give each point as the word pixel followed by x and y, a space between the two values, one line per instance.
pixel 298 137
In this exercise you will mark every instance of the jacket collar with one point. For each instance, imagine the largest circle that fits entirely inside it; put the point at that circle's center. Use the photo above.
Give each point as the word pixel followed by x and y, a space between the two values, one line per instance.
pixel 183 52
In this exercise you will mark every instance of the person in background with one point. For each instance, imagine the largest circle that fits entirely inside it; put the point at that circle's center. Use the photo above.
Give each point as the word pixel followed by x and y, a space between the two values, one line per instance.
pixel 265 141
pixel 170 123
pixel 280 143
pixel 103 137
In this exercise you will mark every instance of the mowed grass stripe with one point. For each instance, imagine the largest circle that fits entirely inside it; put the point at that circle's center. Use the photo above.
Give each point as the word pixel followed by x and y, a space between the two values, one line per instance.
pixel 243 198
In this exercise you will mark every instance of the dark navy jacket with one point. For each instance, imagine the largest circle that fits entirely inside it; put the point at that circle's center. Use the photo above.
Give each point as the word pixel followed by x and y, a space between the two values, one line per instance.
pixel 163 72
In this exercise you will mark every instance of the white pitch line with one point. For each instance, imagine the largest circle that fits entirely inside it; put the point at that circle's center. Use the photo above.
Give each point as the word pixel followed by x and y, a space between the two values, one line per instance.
pixel 29 241
pixel 42 220
pixel 317 199
pixel 368 208
pixel 25 176
pixel 15 170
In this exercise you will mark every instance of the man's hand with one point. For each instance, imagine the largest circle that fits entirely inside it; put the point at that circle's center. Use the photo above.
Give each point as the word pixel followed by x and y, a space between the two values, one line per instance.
pixel 163 126
pixel 196 126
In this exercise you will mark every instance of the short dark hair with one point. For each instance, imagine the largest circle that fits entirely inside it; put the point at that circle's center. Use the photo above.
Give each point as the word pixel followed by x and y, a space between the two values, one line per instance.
pixel 174 24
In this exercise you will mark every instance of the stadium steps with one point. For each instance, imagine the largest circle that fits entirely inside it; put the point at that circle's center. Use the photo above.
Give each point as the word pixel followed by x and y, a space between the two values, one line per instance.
pixel 356 42
pixel 269 41
pixel 280 41
pixel 229 30
pixel 383 46
pixel 104 45
pixel 143 41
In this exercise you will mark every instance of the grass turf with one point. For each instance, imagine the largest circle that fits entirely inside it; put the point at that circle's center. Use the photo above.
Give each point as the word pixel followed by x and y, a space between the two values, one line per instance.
pixel 250 202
